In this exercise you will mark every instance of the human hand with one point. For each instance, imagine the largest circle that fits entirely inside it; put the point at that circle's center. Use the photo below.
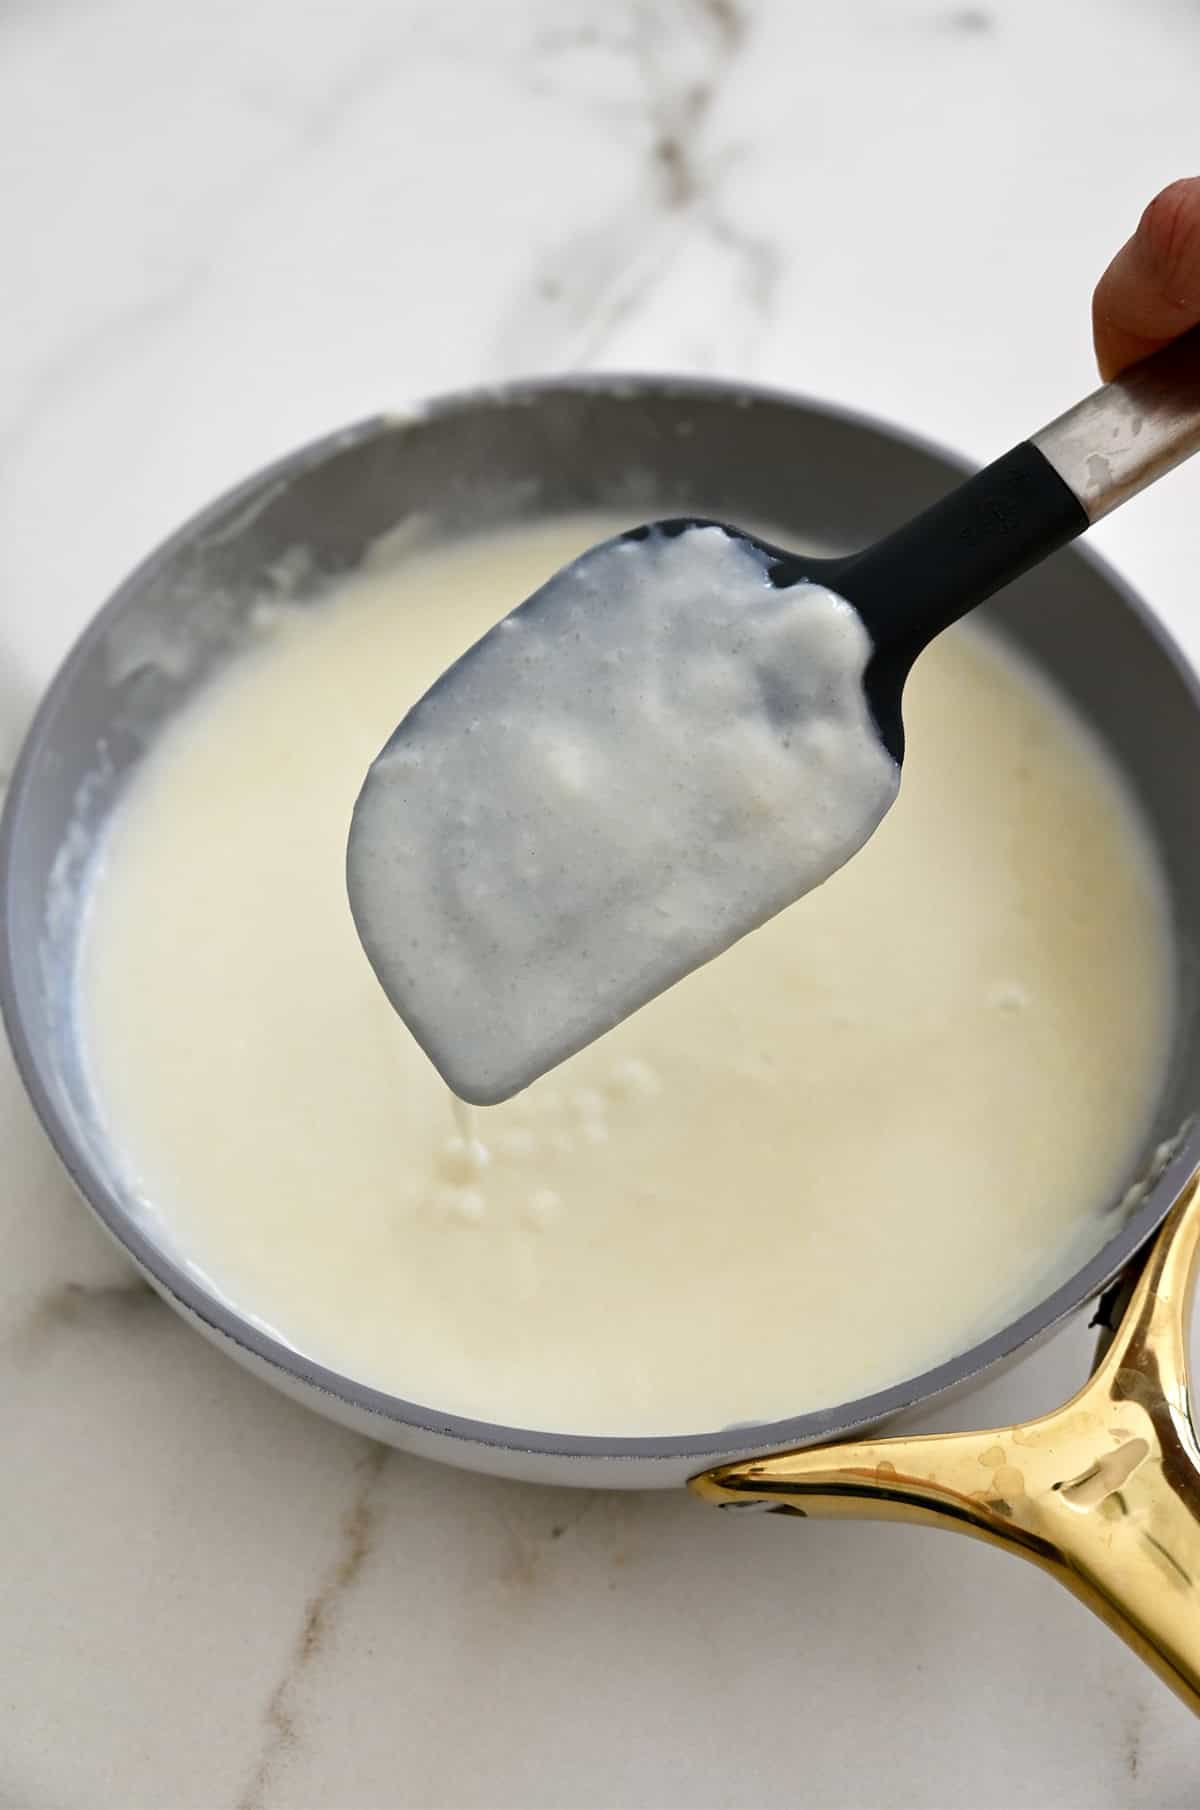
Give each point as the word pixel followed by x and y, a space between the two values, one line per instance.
pixel 1150 293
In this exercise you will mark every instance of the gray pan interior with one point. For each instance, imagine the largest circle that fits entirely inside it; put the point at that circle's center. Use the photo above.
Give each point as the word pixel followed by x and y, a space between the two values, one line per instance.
pixel 641 446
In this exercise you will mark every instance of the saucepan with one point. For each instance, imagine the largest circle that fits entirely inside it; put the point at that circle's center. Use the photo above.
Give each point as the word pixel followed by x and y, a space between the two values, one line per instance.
pixel 1105 1493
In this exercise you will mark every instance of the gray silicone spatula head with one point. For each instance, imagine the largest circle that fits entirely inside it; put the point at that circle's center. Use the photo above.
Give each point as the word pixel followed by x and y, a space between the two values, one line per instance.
pixel 656 752
pixel 681 733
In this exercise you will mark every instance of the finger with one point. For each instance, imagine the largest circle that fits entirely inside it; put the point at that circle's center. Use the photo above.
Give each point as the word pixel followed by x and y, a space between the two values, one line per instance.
pixel 1150 293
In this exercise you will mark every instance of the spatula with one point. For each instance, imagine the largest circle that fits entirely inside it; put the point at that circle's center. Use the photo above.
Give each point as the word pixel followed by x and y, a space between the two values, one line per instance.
pixel 681 733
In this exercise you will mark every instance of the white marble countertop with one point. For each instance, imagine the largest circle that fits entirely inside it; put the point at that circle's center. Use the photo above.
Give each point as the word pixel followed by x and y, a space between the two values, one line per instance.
pixel 229 227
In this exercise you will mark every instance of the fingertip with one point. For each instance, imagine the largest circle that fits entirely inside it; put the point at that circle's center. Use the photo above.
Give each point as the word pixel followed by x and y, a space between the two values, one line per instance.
pixel 1168 243
pixel 1150 293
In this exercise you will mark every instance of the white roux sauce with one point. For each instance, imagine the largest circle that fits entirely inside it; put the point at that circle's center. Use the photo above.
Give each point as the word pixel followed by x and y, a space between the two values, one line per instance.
pixel 654 755
pixel 863 1138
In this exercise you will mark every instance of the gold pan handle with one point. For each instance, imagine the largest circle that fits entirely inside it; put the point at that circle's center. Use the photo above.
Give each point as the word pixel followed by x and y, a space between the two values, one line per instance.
pixel 1104 1493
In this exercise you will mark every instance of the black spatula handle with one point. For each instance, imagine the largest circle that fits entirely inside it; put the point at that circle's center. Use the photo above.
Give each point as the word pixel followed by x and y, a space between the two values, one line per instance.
pixel 917 581
pixel 911 585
